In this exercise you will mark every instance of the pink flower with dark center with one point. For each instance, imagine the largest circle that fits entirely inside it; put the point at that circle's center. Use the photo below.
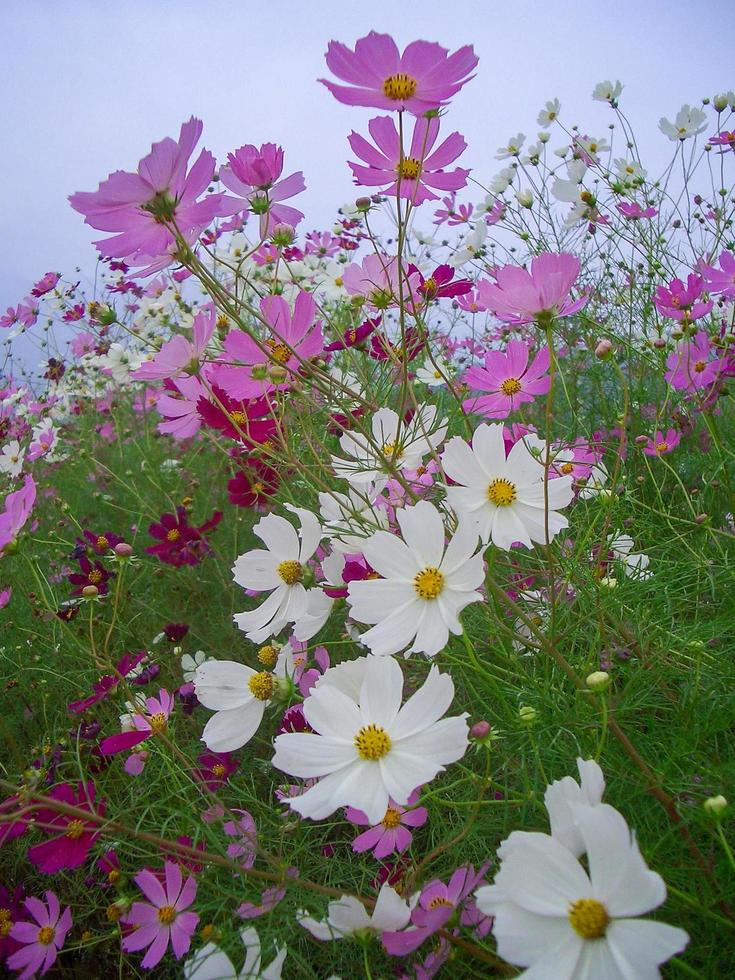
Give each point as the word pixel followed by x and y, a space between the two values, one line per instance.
pixel 392 833
pixel 273 363
pixel 18 507
pixel 508 380
pixel 679 302
pixel 162 919
pixel 519 296
pixel 662 443
pixel 41 938
pixel 180 355
pixel 142 207
pixel 75 836
pixel 415 175
pixel 635 212
pixel 721 280
pixel 424 77
pixel 253 174
pixel 690 366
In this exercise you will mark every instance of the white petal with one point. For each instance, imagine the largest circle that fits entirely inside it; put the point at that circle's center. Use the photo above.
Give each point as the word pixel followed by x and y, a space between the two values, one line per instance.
pixel 425 706
pixel 229 730
pixel 223 684
pixel 381 692
pixel 423 531
pixel 640 945
pixel 305 755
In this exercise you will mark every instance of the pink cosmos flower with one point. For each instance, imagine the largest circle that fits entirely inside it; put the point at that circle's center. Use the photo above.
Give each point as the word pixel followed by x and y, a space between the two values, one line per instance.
pixel 424 77
pixel 725 138
pixel 376 280
pixel 634 211
pixel 722 280
pixel 163 917
pixel 392 833
pixel 27 312
pixel 180 355
pixel 413 175
pixel 102 688
pixel 5 596
pixel 508 379
pixel 679 302
pixel 42 938
pixel 140 726
pixel 18 507
pixel 269 898
pixel 253 174
pixel 471 302
pixel 294 339
pixel 690 366
pixel 9 318
pixel 178 405
pixel 74 837
pixel 43 442
pixel 662 444
pixel 141 207
pixel 46 284
pixel 322 243
pixel 519 296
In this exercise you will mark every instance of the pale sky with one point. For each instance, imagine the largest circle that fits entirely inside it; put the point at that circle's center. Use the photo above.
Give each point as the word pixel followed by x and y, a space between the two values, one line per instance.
pixel 89 84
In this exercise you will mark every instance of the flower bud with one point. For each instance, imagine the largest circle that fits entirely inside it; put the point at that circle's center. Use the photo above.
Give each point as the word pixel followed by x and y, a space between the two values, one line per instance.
pixel 90 591
pixel 527 714
pixel 525 198
pixel 363 204
pixel 716 805
pixel 659 343
pixel 123 550
pixel 603 349
pixel 609 582
pixel 641 440
pixel 480 730
pixel 700 519
pixel 599 680
pixel 283 235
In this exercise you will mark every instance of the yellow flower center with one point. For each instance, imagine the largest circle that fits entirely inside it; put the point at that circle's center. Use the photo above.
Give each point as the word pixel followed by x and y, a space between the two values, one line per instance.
pixel 166 914
pixel 566 468
pixel 438 902
pixel 409 168
pixel 257 488
pixel 173 535
pixel 428 583
pixel 113 913
pixel 6 923
pixel 239 418
pixel 261 685
pixel 392 449
pixel 95 576
pixel 511 386
pixel 268 655
pixel 74 829
pixel 501 492
pixel 588 918
pixel 46 935
pixel 700 366
pixel 113 875
pixel 430 285
pixel 218 770
pixel 372 742
pixel 102 543
pixel 399 86
pixel 391 819
pixel 662 447
pixel 290 571
pixel 279 352
pixel 158 722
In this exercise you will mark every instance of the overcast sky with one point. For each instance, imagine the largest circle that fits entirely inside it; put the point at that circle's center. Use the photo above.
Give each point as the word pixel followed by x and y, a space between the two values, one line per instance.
pixel 89 84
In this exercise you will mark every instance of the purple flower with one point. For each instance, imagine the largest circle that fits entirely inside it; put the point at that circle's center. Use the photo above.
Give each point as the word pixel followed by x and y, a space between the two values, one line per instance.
pixel 392 833
pixel 163 917
pixel 42 938
pixel 18 507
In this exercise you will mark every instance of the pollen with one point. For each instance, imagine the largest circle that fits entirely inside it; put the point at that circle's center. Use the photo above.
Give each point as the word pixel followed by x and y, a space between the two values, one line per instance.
pixel 113 913
pixel 279 352
pixel 166 915
pixel 588 918
pixel 391 819
pixel 6 923
pixel 173 535
pixel 662 447
pixel 268 655
pixel 74 829
pixel 261 685
pixel 158 722
pixel 218 770
pixel 700 366
pixel 511 386
pixel 501 492
pixel 95 576
pixel 392 450
pixel 239 418
pixel 290 571
pixel 440 902
pixel 102 543
pixel 566 468
pixel 409 168
pixel 46 935
pixel 372 742
pixel 429 583
pixel 399 87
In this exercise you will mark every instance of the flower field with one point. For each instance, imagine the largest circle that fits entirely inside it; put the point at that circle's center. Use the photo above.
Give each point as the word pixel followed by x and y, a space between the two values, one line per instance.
pixel 367 592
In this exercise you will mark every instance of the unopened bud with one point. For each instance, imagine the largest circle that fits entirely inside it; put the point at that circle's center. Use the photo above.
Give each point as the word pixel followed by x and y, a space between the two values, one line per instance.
pixel 599 680
pixel 363 204
pixel 609 582
pixel 90 591
pixel 716 805
pixel 283 235
pixel 659 343
pixel 480 730
pixel 603 349
pixel 700 519
pixel 641 440
pixel 527 714
pixel 123 550
pixel 525 198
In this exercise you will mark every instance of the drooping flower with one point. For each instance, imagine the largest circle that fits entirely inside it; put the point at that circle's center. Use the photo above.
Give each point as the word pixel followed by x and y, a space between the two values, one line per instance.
pixel 392 833
pixel 254 174
pixel 634 212
pixel 18 506
pixel 424 77
pixel 45 284
pixel 414 175
pixel 238 695
pixel 520 296
pixel 507 380
pixel 347 916
pixel 163 918
pixel 72 837
pixel 41 938
pixel 504 494
pixel 366 749
pixel 691 366
pixel 425 584
pixel 209 962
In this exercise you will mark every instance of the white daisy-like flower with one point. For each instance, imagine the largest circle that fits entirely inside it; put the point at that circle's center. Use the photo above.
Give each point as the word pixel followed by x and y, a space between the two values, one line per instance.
pixel 635 565
pixel 607 91
pixel 364 752
pixel 689 122
pixel 505 496
pixel 563 796
pixel 347 916
pixel 190 662
pixel 593 146
pixel 238 695
pixel 549 113
pixel 209 962
pixel 119 362
pixel 349 518
pixel 402 444
pixel 433 375
pixel 11 458
pixel 568 923
pixel 596 484
pixel 629 170
pixel 570 190
pixel 537 610
pixel 472 244
pixel 512 148
pixel 502 181
pixel 425 584
pixel 278 569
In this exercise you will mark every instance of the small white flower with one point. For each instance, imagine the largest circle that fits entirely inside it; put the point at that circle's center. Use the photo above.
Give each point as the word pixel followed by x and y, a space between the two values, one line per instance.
pixel 119 362
pixel 634 565
pixel 607 91
pixel 596 484
pixel 190 663
pixel 349 518
pixel 502 181
pixel 525 198
pixel 689 122
pixel 512 147
pixel 592 146
pixel 473 243
pixel 550 113
pixel 238 695
pixel 571 189
pixel 433 375
pixel 629 170
pixel 11 458
pixel 211 963
pixel 347 916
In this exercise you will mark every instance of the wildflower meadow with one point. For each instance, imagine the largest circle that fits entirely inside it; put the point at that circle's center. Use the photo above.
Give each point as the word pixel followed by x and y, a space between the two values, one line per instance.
pixel 367 592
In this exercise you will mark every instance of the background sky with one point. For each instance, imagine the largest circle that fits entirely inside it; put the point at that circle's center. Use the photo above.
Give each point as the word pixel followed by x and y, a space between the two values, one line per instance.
pixel 87 85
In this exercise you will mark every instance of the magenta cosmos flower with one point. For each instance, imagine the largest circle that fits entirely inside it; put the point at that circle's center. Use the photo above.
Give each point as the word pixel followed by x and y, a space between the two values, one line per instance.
pixel 72 837
pixel 42 938
pixel 722 280
pixel 690 366
pixel 519 296
pixel 180 355
pixel 141 207
pixel 507 380
pixel 163 917
pixel 413 175
pixel 424 77
pixel 271 364
pixel 253 174
pixel 679 302
pixel 661 444
pixel 18 507
pixel 392 834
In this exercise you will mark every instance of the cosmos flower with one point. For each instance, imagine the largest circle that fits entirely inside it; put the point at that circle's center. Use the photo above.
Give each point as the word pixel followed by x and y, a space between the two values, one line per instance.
pixel 661 444
pixel 71 837
pixel 393 833
pixel 691 366
pixel 521 296
pixel 41 938
pixel 180 355
pixel 238 695
pixel 163 919
pixel 507 380
pixel 347 916
pixel 18 507
pixel 209 962
pixel 689 122
pixel 254 174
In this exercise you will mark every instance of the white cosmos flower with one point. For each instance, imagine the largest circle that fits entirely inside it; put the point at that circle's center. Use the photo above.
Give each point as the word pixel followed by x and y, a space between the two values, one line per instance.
pixel 505 496
pixel 433 376
pixel 634 565
pixel 11 458
pixel 277 570
pixel 607 91
pixel 473 243
pixel 567 923
pixel 119 362
pixel 424 585
pixel 571 189
pixel 238 695
pixel 364 752
pixel 629 170
pixel 512 147
pixel 189 663
pixel 689 122
pixel 549 113
pixel 351 517
pixel 212 963
pixel 564 796
pixel 402 444
pixel 347 916
pixel 596 484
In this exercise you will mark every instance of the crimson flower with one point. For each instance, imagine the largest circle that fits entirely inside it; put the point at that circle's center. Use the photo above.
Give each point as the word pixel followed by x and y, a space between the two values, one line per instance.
pixel 73 835
pixel 180 543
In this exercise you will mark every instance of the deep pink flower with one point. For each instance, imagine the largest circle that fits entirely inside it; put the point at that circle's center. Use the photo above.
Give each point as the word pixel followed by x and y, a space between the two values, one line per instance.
pixel 294 339
pixel 724 139
pixel 90 574
pixel 424 77
pixel 392 833
pixel 5 596
pixel 383 349
pixel 413 175
pixel 102 688
pixel 662 444
pixel 180 542
pixel 519 296
pixel 42 938
pixel 439 284
pixel 215 768
pixel 99 544
pixel 690 366
pixel 18 507
pixel 253 174
pixel 354 336
pixel 178 405
pixel 141 207
pixel 250 421
pixel 11 910
pixel 45 284
pixel 722 280
pixel 634 211
pixel 508 380
pixel 253 485
pixel 679 302
pixel 180 355
pixel 74 837
pixel 162 919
